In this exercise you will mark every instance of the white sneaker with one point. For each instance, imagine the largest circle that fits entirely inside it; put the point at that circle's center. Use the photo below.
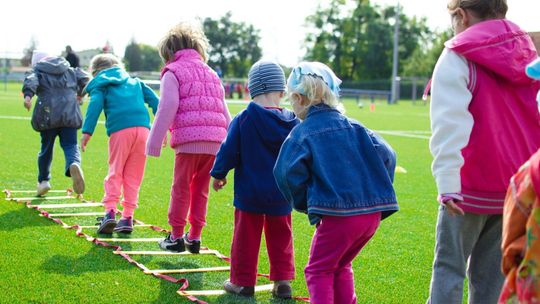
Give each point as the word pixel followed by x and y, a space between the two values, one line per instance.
pixel 43 188
pixel 77 177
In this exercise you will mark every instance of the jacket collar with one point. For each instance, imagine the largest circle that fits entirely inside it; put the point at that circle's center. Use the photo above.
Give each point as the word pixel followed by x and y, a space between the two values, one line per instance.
pixel 319 108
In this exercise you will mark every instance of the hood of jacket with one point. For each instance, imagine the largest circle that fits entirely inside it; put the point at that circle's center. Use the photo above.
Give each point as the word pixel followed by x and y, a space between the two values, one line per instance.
pixel 272 125
pixel 499 46
pixel 110 76
pixel 52 65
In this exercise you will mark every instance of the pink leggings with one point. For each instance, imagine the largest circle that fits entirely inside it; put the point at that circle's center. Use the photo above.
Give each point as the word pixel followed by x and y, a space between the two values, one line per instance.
pixel 189 193
pixel 337 241
pixel 127 160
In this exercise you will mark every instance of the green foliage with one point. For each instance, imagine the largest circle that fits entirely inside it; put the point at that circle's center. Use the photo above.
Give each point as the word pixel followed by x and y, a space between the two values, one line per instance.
pixel 133 56
pixel 424 58
pixel 26 60
pixel 357 40
pixel 150 58
pixel 234 46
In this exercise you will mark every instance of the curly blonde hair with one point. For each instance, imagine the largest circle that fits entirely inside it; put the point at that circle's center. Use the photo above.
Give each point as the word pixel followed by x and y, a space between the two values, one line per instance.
pixel 184 35
pixel 102 62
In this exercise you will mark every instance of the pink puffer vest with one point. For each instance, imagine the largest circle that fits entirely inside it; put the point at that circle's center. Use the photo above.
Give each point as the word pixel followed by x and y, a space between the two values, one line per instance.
pixel 200 115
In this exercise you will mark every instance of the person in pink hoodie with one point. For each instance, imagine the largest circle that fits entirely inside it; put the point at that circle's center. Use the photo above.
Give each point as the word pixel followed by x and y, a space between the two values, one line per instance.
pixel 485 124
pixel 192 107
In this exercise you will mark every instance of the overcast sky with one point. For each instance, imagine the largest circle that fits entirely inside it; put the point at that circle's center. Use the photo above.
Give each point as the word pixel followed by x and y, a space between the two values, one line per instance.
pixel 88 24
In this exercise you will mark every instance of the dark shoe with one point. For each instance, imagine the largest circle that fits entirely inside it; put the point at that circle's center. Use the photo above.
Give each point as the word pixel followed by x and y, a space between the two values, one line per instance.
pixel 176 245
pixel 282 290
pixel 125 225
pixel 77 177
pixel 107 223
pixel 245 291
pixel 192 246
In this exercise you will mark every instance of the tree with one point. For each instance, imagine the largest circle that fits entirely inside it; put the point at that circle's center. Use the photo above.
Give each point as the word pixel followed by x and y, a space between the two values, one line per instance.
pixel 424 58
pixel 26 60
pixel 356 41
pixel 150 58
pixel 234 46
pixel 132 56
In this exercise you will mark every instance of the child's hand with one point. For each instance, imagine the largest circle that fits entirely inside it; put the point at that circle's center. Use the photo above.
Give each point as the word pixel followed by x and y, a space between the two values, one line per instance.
pixel 80 100
pixel 219 183
pixel 28 103
pixel 164 144
pixel 451 201
pixel 84 141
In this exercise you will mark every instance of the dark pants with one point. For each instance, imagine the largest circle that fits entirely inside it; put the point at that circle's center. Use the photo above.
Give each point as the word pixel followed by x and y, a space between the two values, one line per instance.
pixel 68 142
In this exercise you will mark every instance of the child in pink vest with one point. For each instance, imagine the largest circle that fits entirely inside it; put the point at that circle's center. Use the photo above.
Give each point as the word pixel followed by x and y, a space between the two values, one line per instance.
pixel 485 124
pixel 192 107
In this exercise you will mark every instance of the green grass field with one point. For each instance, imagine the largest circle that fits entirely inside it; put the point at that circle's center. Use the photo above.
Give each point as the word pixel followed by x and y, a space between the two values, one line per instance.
pixel 42 263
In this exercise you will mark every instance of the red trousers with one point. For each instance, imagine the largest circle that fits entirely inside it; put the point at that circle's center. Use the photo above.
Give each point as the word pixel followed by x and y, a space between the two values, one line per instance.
pixel 246 243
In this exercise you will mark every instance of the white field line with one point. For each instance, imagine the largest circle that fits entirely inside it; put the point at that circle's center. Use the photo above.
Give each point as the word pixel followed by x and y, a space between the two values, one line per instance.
pixel 402 133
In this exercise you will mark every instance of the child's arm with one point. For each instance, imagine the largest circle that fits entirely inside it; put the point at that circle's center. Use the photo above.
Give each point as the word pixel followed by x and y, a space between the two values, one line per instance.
pixel 228 155
pixel 92 115
pixel 292 174
pixel 451 121
pixel 150 97
pixel 82 80
pixel 164 117
pixel 385 152
pixel 29 89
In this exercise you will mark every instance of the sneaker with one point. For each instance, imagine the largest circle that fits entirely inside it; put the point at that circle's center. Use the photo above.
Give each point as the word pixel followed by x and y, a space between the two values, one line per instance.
pixel 125 225
pixel 77 177
pixel 193 246
pixel 176 245
pixel 43 188
pixel 282 290
pixel 245 291
pixel 107 223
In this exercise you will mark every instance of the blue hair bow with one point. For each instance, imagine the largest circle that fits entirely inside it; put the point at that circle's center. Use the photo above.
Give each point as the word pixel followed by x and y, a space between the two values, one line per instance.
pixel 533 69
pixel 314 69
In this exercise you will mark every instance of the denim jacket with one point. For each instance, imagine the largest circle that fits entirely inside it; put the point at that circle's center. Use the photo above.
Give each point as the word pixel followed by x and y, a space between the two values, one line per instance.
pixel 332 165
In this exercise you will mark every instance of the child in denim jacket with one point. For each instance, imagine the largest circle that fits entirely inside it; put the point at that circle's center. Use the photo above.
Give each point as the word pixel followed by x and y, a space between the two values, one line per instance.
pixel 339 173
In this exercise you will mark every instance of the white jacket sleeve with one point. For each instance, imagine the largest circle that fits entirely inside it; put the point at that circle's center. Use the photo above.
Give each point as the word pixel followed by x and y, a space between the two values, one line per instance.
pixel 451 121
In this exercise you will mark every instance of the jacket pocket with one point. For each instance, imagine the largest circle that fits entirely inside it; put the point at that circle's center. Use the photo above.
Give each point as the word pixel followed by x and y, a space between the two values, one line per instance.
pixel 41 118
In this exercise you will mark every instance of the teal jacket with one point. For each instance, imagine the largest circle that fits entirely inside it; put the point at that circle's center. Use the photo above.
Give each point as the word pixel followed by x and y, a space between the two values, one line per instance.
pixel 122 98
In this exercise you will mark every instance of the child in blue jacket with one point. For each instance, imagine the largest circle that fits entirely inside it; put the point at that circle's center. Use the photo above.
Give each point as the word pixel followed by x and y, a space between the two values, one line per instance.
pixel 251 148
pixel 338 172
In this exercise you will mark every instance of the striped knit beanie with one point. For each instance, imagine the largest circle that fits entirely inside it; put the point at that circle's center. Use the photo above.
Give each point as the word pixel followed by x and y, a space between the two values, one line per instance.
pixel 265 77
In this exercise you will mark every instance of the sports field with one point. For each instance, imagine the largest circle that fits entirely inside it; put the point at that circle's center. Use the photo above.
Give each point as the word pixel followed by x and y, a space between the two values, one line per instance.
pixel 40 262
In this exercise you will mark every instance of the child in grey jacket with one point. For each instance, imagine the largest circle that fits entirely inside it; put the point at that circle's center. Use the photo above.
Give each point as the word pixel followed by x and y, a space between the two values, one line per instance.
pixel 56 113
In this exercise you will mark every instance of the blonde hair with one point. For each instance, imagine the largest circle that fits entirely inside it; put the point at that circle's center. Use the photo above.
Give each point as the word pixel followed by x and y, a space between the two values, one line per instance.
pixel 483 9
pixel 316 90
pixel 102 62
pixel 183 36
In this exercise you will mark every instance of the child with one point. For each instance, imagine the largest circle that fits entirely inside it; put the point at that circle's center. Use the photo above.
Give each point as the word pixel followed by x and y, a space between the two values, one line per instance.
pixel 251 148
pixel 127 121
pixel 484 122
pixel 57 113
pixel 193 108
pixel 339 173
pixel 521 228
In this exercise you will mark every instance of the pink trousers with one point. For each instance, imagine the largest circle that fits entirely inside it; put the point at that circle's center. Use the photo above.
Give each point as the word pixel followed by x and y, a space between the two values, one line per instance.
pixel 337 241
pixel 246 242
pixel 127 160
pixel 189 193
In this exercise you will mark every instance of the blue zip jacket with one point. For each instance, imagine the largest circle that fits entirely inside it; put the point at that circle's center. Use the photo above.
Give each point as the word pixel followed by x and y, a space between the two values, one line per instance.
pixel 252 145
pixel 332 165
pixel 122 98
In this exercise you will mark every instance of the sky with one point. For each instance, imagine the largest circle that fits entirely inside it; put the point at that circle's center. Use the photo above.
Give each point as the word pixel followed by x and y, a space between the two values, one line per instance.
pixel 89 24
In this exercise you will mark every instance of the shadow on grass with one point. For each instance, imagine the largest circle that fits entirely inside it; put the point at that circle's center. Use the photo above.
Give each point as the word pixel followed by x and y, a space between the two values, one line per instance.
pixel 92 261
pixel 22 218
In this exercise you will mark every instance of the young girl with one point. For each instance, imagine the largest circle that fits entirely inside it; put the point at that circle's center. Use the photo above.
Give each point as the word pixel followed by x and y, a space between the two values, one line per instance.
pixel 251 149
pixel 484 122
pixel 339 173
pixel 127 121
pixel 193 108
pixel 57 113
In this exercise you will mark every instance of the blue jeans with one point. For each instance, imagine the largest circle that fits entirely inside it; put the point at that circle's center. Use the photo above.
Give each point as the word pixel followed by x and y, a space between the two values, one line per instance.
pixel 68 142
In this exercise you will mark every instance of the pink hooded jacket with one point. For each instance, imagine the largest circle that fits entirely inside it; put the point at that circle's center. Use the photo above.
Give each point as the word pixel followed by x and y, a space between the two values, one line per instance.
pixel 506 129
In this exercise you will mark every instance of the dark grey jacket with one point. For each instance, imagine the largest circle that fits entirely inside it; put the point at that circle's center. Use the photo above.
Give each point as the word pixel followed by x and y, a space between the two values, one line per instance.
pixel 57 86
